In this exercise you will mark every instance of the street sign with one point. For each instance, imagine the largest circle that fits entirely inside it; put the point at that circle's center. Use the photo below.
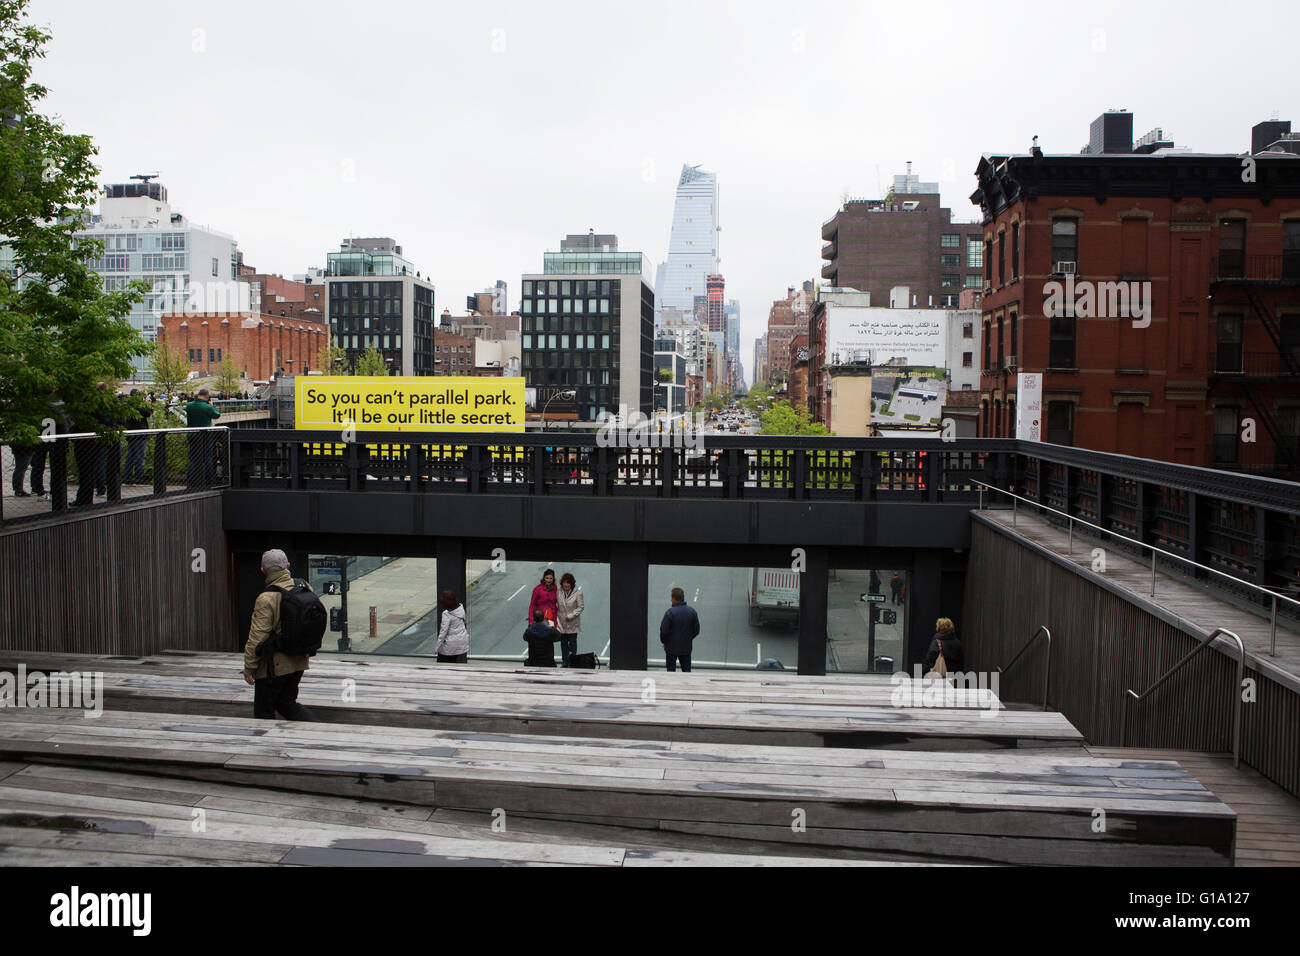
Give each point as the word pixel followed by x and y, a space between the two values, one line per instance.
pixel 326 570
pixel 873 598
pixel 324 563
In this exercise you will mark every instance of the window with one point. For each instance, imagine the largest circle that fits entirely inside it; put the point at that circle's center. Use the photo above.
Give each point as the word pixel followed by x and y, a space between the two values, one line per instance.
pixel 1014 351
pixel 1061 349
pixel 214 266
pixel 1228 354
pixel 972 281
pixel 1291 250
pixel 1225 434
pixel 950 260
pixel 211 353
pixel 951 281
pixel 1065 241
pixel 968 330
pixel 988 261
pixel 974 253
pixel 967 360
pixel 950 242
pixel 1002 258
pixel 987 340
pixel 1232 249
pixel 1015 250
pixel 1001 353
pixel 528 288
pixel 1060 423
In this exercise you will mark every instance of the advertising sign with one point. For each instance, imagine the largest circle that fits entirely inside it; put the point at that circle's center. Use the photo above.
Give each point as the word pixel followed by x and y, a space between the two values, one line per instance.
pixel 1029 406
pixel 414 404
pixel 916 336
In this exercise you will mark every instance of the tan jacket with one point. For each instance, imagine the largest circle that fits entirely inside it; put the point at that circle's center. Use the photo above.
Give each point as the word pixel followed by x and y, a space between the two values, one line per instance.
pixel 266 621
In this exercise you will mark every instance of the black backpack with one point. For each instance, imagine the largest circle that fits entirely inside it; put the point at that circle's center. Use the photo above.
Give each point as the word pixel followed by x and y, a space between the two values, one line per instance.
pixel 302 621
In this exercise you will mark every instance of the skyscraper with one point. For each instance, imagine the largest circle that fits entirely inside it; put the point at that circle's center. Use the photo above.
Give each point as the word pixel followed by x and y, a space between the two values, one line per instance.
pixel 692 244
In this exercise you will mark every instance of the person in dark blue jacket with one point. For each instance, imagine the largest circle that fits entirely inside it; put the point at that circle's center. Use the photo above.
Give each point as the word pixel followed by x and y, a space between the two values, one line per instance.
pixel 541 638
pixel 678 630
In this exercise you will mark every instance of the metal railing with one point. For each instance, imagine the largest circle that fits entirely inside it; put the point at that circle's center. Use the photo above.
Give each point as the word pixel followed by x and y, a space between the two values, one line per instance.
pixel 1272 597
pixel 1047 665
pixel 67 473
pixel 1130 696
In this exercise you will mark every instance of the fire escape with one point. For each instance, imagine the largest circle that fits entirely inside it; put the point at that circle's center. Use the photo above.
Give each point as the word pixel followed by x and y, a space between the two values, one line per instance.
pixel 1258 373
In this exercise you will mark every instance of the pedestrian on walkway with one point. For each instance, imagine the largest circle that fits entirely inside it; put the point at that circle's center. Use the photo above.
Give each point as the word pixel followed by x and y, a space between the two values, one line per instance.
pixel 568 607
pixel 947 643
pixel 278 689
pixel 24 458
pixel 540 637
pixel 895 588
pixel 678 630
pixel 544 598
pixel 136 444
pixel 200 413
pixel 453 632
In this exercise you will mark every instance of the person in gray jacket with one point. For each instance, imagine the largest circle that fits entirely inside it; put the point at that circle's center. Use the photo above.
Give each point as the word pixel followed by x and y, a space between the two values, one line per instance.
pixel 568 610
pixel 453 632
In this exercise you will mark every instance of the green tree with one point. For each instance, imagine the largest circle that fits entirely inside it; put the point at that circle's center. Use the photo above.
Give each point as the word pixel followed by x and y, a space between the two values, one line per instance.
pixel 783 419
pixel 371 362
pixel 331 359
pixel 169 367
pixel 60 333
pixel 228 376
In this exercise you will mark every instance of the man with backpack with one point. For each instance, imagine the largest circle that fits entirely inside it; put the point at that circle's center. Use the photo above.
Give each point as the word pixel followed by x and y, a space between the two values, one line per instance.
pixel 288 625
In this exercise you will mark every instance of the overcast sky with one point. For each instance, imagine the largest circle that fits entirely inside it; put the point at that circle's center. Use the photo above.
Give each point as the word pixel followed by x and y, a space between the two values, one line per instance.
pixel 479 133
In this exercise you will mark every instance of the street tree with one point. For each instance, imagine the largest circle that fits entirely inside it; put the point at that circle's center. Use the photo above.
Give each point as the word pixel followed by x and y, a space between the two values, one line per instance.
pixel 371 362
pixel 784 419
pixel 61 335
pixel 168 367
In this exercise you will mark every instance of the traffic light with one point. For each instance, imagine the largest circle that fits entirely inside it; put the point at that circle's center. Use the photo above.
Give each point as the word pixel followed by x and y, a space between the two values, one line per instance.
pixel 891 617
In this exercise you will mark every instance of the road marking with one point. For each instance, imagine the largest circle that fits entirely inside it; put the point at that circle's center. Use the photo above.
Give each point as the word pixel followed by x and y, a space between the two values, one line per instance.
pixel 513 596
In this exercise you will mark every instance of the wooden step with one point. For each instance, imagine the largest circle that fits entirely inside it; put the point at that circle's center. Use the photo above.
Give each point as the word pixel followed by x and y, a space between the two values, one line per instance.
pixel 1031 807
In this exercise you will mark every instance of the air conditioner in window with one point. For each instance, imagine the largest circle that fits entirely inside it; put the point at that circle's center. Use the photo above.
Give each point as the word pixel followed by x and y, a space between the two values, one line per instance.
pixel 1009 363
pixel 1065 268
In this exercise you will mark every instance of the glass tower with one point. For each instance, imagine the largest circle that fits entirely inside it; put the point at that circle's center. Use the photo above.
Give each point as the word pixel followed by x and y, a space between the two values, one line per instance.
pixel 692 244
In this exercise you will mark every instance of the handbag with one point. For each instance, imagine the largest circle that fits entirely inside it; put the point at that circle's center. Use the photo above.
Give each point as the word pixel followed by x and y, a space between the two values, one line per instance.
pixel 940 668
pixel 586 661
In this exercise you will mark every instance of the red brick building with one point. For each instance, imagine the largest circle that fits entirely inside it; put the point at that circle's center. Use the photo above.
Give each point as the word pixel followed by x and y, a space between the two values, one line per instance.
pixel 797 363
pixel 1204 333
pixel 786 319
pixel 259 345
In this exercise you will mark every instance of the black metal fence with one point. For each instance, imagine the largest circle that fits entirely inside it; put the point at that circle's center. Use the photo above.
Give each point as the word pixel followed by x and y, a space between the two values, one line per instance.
pixel 68 474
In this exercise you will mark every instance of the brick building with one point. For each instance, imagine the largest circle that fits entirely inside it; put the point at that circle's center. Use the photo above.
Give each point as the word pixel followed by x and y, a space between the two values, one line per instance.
pixel 906 239
pixel 259 345
pixel 797 363
pixel 786 319
pixel 1157 293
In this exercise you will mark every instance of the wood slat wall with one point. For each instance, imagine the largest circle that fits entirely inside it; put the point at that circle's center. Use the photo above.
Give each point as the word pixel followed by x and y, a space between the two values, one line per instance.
pixel 119 582
pixel 1102 645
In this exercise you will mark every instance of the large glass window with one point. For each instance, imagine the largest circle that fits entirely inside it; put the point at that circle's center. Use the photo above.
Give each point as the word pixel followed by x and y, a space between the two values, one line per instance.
pixel 1061 351
pixel 974 253
pixel 950 241
pixel 1015 250
pixel 950 260
pixel 1225 434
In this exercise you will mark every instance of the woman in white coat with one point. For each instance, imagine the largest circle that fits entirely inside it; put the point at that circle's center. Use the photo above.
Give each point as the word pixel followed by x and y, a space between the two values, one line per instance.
pixel 453 633
pixel 568 609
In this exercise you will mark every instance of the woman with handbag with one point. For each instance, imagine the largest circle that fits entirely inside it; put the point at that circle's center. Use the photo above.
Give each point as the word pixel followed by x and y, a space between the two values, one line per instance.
pixel 568 608
pixel 945 654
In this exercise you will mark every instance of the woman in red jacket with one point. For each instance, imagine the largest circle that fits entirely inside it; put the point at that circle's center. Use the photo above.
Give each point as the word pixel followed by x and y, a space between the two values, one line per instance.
pixel 544 598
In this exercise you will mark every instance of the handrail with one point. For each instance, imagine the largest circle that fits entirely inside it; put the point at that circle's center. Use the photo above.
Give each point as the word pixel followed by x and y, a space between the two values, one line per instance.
pixel 1154 551
pixel 1236 691
pixel 51 439
pixel 1047 669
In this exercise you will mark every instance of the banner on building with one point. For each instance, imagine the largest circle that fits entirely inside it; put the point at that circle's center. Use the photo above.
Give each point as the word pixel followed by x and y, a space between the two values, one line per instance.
pixel 914 336
pixel 413 404
pixel 908 396
pixel 1029 406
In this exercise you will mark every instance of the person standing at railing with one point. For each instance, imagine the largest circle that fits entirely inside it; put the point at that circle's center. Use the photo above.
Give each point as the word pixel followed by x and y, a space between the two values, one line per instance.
pixel 568 607
pixel 136 444
pixel 200 413
pixel 678 631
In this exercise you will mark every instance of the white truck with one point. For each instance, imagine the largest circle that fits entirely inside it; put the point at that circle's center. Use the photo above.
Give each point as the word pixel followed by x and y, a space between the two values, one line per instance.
pixel 774 596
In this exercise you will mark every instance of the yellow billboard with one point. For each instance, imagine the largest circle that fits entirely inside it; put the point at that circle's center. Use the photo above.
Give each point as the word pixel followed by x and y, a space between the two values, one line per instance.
pixel 413 404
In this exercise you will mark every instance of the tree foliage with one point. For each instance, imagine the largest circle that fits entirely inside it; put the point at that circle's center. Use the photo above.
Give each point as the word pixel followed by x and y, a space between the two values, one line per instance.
pixel 61 335
pixel 168 367
pixel 331 359
pixel 228 376
pixel 371 362
pixel 783 419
